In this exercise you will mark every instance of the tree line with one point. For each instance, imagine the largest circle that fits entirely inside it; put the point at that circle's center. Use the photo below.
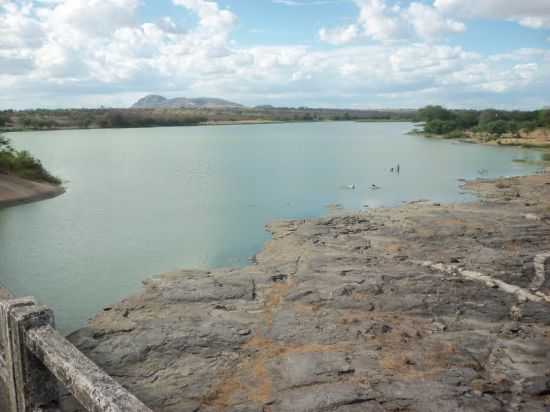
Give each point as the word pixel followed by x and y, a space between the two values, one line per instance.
pixel 44 119
pixel 453 123
pixel 438 120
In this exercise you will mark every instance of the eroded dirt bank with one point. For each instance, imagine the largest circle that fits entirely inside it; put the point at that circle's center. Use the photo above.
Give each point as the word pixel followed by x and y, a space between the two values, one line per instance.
pixel 421 308
pixel 14 190
pixel 537 138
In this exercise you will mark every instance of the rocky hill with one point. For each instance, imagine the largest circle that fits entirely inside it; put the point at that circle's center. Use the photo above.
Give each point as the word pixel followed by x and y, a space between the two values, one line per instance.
pixel 153 101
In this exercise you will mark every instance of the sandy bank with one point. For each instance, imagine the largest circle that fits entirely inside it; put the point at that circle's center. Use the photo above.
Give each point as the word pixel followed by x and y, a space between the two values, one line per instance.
pixel 538 138
pixel 14 190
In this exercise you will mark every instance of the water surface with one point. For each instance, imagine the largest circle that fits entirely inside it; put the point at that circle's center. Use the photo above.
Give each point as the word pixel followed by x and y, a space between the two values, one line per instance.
pixel 146 201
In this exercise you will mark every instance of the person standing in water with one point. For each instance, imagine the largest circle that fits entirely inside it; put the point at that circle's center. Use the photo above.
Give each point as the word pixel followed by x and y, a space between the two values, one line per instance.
pixel 398 168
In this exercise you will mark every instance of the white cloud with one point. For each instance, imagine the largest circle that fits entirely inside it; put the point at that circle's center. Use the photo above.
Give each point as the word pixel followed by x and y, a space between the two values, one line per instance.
pixel 212 18
pixel 535 22
pixel 49 55
pixel 429 23
pixel 18 28
pixel 378 21
pixel 340 35
pixel 91 17
pixel 303 2
pixel 529 13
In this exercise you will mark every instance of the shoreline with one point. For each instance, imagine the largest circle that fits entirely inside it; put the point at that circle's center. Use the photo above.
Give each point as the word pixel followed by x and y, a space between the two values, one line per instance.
pixel 16 191
pixel 395 308
pixel 539 139
pixel 208 123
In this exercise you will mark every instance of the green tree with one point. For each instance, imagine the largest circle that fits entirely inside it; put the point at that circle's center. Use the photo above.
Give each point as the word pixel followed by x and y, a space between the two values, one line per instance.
pixel 529 126
pixel 497 127
pixel 466 119
pixel 440 126
pixel 5 143
pixel 488 116
pixel 429 113
pixel 22 164
pixel 4 118
pixel 544 117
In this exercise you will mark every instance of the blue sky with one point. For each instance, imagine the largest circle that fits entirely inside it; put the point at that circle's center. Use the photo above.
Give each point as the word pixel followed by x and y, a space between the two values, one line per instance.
pixel 268 22
pixel 337 53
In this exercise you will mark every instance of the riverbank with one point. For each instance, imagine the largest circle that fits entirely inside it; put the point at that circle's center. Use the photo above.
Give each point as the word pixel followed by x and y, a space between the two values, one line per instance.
pixel 206 123
pixel 536 139
pixel 425 307
pixel 159 117
pixel 15 190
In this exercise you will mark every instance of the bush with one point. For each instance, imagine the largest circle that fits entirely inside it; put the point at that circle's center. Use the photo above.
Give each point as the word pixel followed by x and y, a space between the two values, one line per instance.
pixel 497 127
pixel 35 122
pixel 440 126
pixel 544 118
pixel 488 116
pixel 22 164
pixel 495 123
pixel 528 126
pixel 467 119
pixel 430 113
pixel 4 118
pixel 455 134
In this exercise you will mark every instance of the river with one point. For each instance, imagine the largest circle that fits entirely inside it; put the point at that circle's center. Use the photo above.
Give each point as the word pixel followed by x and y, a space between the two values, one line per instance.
pixel 145 201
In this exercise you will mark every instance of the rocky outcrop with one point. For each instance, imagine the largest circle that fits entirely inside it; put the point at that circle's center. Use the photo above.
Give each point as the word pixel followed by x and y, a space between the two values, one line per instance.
pixel 14 190
pixel 345 314
pixel 154 101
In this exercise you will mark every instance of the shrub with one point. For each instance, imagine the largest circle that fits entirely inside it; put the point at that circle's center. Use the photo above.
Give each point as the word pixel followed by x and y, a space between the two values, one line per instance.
pixel 430 113
pixel 497 127
pixel 528 126
pixel 455 134
pixel 544 118
pixel 467 119
pixel 4 119
pixel 440 126
pixel 23 164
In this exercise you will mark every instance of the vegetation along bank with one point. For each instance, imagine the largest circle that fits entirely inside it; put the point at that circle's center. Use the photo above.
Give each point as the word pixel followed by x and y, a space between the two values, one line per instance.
pixel 522 128
pixel 23 178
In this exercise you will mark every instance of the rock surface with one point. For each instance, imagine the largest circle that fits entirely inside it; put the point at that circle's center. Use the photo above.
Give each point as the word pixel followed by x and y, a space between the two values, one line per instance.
pixel 153 101
pixel 4 295
pixel 340 314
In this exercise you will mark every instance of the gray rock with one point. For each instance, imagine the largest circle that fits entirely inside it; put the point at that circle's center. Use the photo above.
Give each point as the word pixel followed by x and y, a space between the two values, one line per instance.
pixel 337 314
pixel 328 397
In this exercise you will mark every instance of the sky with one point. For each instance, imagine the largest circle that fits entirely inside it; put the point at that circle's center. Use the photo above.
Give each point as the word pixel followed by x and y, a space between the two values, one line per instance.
pixel 316 53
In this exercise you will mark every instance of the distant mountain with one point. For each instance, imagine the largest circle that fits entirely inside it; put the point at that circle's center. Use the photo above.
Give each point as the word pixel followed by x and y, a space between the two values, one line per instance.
pixel 154 101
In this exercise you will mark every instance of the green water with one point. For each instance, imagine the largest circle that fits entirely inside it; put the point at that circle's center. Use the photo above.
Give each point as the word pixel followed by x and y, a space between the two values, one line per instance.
pixel 145 201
